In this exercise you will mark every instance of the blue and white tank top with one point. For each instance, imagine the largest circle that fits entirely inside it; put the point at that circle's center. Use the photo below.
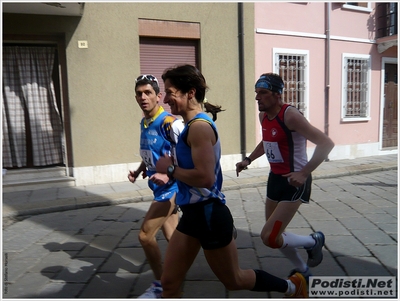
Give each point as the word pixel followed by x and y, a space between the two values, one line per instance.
pixel 189 194
pixel 158 137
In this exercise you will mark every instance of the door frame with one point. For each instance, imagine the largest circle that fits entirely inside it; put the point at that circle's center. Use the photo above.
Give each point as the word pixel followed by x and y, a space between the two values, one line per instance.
pixel 59 42
pixel 385 60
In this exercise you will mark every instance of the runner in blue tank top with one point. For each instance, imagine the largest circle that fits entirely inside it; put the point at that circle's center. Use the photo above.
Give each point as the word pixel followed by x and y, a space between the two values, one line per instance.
pixel 206 221
pixel 159 135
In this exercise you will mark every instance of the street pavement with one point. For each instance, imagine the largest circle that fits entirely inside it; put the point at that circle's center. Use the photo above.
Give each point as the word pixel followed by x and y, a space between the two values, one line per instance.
pixel 81 242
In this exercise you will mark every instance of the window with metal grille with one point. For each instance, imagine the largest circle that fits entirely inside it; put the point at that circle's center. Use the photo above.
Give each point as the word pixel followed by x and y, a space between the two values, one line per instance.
pixel 292 69
pixel 356 82
pixel 386 19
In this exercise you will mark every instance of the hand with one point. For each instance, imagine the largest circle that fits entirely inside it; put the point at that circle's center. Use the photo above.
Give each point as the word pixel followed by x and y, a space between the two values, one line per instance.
pixel 159 179
pixel 240 166
pixel 296 178
pixel 132 176
pixel 163 163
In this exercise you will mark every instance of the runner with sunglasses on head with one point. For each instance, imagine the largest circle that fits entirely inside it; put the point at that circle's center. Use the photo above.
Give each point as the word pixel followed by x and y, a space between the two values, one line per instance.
pixel 285 133
pixel 159 135
pixel 206 221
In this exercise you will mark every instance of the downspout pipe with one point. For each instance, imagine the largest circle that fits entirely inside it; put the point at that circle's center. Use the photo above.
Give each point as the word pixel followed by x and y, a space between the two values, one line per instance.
pixel 242 98
pixel 328 7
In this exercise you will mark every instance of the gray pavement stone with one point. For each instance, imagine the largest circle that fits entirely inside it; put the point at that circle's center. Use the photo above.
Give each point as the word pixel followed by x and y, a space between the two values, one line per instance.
pixel 60 290
pixel 339 209
pixel 96 226
pixel 316 213
pixel 382 217
pixel 53 262
pixel 66 192
pixel 117 229
pixel 142 282
pixel 194 289
pixel 384 253
pixel 248 295
pixel 79 270
pixel 74 243
pixel 56 237
pixel 241 223
pixel 345 245
pixel 372 236
pixel 200 270
pixel 125 259
pixel 356 223
pixel 130 240
pixel 99 189
pixel 100 246
pixel 298 221
pixel 109 285
pixel 362 266
pixel 43 195
pixel 87 253
pixel 28 286
pixel 16 269
pixel 243 240
pixel 390 229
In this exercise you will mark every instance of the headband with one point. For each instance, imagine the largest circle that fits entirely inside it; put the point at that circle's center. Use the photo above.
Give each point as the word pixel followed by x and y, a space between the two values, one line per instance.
pixel 270 83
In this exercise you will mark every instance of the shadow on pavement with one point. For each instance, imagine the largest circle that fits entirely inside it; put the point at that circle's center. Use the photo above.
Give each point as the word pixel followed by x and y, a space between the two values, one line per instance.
pixel 103 265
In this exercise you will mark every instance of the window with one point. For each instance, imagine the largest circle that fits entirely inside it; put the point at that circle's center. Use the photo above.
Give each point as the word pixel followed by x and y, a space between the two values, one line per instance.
pixel 360 6
pixel 292 66
pixel 355 87
pixel 386 19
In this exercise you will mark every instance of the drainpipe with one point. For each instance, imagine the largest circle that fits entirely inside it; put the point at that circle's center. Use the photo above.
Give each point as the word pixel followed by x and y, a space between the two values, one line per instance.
pixel 242 100
pixel 328 7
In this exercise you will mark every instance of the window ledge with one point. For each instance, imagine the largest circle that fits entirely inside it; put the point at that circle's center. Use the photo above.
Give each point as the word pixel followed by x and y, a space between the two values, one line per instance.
pixel 354 119
pixel 357 8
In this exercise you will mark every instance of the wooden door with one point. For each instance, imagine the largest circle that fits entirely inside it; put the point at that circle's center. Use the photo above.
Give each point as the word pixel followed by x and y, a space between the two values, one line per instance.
pixel 389 138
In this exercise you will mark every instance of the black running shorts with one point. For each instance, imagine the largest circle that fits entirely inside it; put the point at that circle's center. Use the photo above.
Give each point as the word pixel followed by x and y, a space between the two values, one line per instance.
pixel 209 221
pixel 279 189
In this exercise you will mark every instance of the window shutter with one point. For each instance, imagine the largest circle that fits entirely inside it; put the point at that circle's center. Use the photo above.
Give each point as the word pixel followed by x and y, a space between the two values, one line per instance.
pixel 157 54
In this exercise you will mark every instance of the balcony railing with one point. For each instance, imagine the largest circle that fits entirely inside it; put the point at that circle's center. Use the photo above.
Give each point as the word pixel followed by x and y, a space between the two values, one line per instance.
pixel 386 19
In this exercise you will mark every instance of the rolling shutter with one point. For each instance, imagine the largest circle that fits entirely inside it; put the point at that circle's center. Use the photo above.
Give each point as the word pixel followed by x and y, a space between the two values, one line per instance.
pixel 157 54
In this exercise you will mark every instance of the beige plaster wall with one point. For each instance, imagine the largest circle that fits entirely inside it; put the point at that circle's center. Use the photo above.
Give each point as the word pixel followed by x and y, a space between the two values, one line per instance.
pixel 104 114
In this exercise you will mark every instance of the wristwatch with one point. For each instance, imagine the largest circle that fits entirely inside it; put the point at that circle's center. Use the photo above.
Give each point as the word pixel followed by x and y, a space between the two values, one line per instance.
pixel 170 171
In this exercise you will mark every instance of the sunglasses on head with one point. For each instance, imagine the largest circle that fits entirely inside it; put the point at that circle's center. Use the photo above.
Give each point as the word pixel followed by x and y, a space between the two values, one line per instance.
pixel 148 77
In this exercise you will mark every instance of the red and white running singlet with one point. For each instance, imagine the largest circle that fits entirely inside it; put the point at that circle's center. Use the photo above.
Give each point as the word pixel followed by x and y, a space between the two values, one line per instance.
pixel 286 150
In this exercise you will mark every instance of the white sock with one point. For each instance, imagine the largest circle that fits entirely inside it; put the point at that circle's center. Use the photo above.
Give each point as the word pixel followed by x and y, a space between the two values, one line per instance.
pixel 291 288
pixel 295 258
pixel 297 241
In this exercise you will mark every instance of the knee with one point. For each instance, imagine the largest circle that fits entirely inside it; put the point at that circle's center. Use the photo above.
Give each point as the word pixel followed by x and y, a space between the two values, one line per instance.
pixel 145 238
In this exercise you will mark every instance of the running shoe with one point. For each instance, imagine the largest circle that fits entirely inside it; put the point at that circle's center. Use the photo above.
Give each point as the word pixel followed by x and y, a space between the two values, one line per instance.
pixel 307 274
pixel 315 253
pixel 153 292
pixel 301 286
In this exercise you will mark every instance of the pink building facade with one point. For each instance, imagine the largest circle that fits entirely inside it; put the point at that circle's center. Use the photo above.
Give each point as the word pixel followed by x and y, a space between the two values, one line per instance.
pixel 339 62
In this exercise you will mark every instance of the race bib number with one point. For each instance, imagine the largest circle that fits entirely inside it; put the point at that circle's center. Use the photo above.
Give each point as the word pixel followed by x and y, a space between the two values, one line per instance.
pixel 147 158
pixel 272 151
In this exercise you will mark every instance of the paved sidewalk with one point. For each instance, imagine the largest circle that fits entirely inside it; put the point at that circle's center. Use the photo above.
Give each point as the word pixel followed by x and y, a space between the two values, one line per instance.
pixel 32 202
pixel 94 252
